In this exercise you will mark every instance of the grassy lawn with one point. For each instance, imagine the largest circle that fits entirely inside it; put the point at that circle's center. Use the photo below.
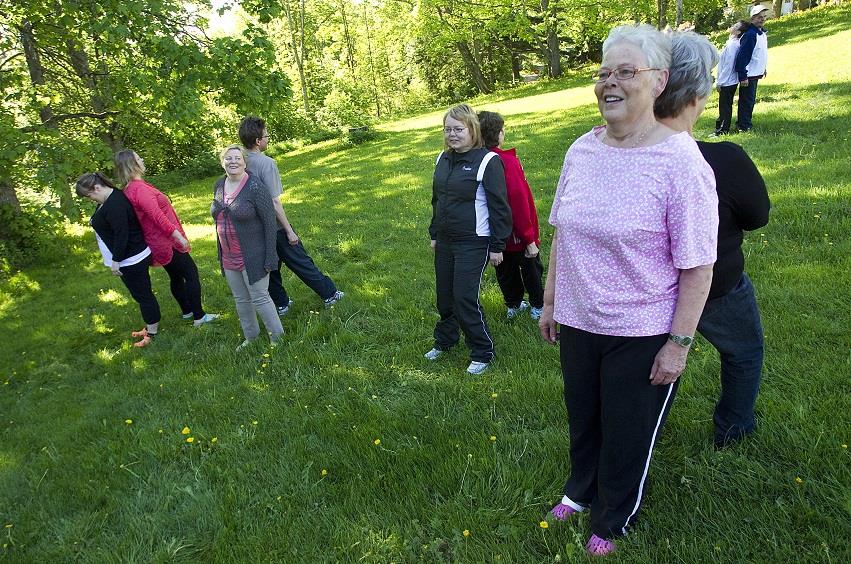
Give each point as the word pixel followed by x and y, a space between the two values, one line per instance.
pixel 344 444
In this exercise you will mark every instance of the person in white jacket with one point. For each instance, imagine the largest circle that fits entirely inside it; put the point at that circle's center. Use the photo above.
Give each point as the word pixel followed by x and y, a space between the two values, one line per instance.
pixel 751 63
pixel 728 80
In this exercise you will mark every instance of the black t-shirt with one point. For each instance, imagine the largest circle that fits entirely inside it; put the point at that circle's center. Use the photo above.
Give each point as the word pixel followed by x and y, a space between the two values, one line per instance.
pixel 116 223
pixel 742 206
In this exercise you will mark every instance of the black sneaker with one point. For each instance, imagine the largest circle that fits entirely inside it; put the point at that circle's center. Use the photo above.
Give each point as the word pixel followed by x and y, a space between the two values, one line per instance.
pixel 338 295
pixel 282 311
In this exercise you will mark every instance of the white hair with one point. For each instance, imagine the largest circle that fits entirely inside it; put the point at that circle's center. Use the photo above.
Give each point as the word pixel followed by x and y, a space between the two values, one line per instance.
pixel 690 76
pixel 655 45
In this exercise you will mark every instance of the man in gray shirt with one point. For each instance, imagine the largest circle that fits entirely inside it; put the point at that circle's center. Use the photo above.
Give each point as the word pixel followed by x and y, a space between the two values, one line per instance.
pixel 255 138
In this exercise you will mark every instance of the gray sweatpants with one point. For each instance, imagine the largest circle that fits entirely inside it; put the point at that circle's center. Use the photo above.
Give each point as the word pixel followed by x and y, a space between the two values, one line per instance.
pixel 252 299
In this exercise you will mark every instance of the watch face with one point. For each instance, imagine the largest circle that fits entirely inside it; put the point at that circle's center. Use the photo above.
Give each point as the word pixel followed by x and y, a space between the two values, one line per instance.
pixel 686 341
pixel 682 340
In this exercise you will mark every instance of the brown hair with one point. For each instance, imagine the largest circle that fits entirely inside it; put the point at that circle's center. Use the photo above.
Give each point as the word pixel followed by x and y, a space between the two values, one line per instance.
pixel 126 166
pixel 86 183
pixel 491 123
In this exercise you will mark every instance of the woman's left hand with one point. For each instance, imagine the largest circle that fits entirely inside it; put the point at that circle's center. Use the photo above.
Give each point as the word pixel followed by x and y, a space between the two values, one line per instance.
pixel 116 268
pixel 669 363
pixel 495 258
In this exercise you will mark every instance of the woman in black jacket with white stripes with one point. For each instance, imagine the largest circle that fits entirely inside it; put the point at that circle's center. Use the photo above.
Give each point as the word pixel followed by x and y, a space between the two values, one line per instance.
pixel 470 222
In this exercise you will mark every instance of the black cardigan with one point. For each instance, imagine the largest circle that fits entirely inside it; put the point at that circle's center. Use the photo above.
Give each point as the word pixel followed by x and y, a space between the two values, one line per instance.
pixel 116 223
pixel 742 206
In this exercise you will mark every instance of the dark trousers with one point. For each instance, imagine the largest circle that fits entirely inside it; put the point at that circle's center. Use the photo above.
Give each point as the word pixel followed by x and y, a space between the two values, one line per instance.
pixel 185 284
pixel 747 100
pixel 517 275
pixel 615 417
pixel 725 108
pixel 732 324
pixel 458 268
pixel 295 257
pixel 138 281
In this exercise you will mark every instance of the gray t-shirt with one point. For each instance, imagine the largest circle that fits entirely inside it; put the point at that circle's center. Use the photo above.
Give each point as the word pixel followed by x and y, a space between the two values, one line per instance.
pixel 266 170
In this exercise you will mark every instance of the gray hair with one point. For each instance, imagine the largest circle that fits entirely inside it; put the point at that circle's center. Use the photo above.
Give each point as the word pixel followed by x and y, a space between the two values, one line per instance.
pixel 690 75
pixel 655 45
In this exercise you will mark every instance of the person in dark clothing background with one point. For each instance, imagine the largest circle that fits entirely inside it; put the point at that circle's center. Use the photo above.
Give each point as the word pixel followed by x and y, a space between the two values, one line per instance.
pixel 730 318
pixel 751 63
pixel 122 245
pixel 521 269
pixel 469 224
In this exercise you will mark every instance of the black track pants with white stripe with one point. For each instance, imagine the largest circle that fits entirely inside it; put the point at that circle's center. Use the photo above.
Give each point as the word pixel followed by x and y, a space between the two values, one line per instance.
pixel 615 417
pixel 458 267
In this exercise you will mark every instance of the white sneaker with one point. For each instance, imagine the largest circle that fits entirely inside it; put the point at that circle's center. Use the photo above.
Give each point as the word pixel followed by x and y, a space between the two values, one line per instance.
pixel 338 295
pixel 433 354
pixel 477 367
pixel 535 313
pixel 244 345
pixel 515 311
pixel 208 317
pixel 282 311
pixel 187 315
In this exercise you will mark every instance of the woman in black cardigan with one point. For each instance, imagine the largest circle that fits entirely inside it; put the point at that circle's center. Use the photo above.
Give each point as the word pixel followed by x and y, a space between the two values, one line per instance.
pixel 123 246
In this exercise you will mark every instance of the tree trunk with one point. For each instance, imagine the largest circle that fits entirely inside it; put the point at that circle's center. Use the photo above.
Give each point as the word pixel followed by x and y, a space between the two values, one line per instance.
pixel 350 47
pixel 662 7
pixel 8 196
pixel 777 7
pixel 35 68
pixel 299 63
pixel 473 67
pixel 679 13
pixel 80 63
pixel 371 61
pixel 549 12
pixel 515 66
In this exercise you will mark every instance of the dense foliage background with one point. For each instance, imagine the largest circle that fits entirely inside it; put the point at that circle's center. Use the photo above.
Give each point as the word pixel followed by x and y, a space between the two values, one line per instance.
pixel 81 79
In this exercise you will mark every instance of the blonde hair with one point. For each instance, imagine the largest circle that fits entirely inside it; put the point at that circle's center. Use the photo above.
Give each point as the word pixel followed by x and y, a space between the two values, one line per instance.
pixel 126 166
pixel 229 148
pixel 466 115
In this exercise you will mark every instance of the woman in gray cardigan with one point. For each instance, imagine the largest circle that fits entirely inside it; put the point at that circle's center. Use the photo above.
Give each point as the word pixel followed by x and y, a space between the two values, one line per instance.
pixel 245 233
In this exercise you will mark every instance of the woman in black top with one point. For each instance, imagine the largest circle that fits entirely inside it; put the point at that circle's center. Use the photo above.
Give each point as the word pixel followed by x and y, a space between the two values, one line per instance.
pixel 469 224
pixel 123 246
pixel 730 319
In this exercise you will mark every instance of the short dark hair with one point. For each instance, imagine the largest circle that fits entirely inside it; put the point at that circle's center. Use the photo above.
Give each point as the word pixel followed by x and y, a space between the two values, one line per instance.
pixel 250 130
pixel 491 124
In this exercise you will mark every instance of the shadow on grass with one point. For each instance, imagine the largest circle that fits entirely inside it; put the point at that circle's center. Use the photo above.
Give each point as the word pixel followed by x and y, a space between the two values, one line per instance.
pixel 810 24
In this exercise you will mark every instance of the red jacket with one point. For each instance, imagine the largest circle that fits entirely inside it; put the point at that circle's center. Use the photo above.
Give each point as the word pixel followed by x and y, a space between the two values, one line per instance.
pixel 158 220
pixel 523 212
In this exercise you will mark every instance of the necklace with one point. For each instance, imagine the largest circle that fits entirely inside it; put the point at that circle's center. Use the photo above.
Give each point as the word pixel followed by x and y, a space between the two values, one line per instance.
pixel 638 140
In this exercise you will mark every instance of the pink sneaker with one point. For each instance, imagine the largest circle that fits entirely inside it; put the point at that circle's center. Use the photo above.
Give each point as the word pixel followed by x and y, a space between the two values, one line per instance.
pixel 599 547
pixel 563 512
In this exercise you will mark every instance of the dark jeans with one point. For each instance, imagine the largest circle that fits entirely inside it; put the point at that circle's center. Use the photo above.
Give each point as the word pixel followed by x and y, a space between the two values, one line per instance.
pixel 747 100
pixel 185 285
pixel 458 268
pixel 518 274
pixel 732 324
pixel 138 281
pixel 725 108
pixel 615 417
pixel 295 257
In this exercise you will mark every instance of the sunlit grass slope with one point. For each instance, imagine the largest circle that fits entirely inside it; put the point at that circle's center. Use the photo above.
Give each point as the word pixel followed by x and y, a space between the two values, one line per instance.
pixel 343 444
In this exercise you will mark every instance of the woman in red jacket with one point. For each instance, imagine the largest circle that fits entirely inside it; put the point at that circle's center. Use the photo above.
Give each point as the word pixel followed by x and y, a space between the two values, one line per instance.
pixel 164 235
pixel 521 269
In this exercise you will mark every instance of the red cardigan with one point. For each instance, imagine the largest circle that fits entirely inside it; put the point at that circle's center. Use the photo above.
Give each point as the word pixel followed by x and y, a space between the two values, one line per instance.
pixel 158 220
pixel 523 213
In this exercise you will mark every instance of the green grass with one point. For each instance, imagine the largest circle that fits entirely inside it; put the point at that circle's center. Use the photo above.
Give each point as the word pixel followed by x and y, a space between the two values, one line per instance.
pixel 77 482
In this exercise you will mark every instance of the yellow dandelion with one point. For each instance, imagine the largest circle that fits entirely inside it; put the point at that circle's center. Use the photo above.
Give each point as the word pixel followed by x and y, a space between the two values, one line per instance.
pixel 799 480
pixel 8 525
pixel 128 421
pixel 494 396
pixel 190 439
pixel 214 440
pixel 544 525
pixel 376 442
pixel 466 533
pixel 254 422
pixel 493 438
pixel 160 431
pixel 324 472
pixel 844 446
pixel 186 431
pixel 265 355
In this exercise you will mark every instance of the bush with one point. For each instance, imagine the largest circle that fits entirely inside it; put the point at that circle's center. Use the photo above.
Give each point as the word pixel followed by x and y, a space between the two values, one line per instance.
pixel 26 236
pixel 360 135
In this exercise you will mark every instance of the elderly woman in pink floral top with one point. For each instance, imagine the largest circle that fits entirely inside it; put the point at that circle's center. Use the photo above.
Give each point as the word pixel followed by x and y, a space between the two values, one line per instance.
pixel 636 223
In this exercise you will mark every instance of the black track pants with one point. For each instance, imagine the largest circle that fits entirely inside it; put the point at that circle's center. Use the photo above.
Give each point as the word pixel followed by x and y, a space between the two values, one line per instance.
pixel 615 417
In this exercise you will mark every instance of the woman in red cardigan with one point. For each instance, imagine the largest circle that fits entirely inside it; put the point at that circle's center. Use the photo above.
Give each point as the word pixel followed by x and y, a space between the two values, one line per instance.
pixel 521 269
pixel 164 235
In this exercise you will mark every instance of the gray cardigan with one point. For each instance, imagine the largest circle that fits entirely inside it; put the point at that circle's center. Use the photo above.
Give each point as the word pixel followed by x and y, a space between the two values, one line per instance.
pixel 253 219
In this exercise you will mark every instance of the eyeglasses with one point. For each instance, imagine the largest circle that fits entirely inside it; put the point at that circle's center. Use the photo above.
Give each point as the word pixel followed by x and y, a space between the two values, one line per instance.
pixel 455 130
pixel 623 73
